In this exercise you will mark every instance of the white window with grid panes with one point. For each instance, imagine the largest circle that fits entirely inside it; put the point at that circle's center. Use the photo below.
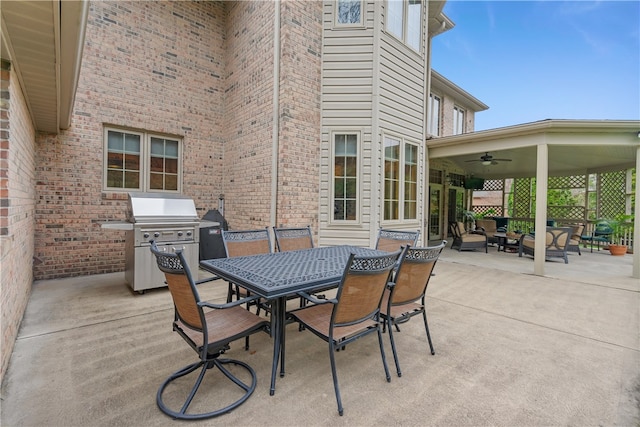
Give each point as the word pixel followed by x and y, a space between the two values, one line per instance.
pixel 141 161
pixel 404 21
pixel 348 13
pixel 400 179
pixel 345 170
pixel 458 120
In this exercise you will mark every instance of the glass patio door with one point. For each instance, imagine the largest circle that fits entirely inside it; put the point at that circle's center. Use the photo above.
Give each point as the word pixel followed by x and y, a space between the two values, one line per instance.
pixel 435 212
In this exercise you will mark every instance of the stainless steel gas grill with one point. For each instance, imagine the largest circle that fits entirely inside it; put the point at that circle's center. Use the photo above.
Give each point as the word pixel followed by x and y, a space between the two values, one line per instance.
pixel 172 222
pixel 169 219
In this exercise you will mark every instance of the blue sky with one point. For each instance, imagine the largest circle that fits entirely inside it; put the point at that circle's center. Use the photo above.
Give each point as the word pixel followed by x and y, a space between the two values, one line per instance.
pixel 536 60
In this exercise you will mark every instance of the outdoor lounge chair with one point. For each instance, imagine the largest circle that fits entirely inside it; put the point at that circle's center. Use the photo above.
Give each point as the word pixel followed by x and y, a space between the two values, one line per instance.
pixel 576 236
pixel 405 296
pixel 354 312
pixel 464 240
pixel 208 329
pixel 489 227
pixel 556 243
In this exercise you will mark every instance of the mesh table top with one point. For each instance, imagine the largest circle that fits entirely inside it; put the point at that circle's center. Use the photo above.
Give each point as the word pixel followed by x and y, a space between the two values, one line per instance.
pixel 285 273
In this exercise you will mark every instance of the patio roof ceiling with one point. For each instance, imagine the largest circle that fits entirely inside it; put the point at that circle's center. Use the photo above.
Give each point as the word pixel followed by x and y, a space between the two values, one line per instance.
pixel 43 40
pixel 575 147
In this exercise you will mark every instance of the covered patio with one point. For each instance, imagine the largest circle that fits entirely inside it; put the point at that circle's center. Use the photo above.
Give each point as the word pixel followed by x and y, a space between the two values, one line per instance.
pixel 550 148
pixel 512 348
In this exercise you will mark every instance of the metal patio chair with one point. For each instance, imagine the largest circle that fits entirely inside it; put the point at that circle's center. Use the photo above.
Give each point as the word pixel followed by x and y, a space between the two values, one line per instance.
pixel 244 243
pixel 293 238
pixel 208 329
pixel 405 296
pixel 354 312
pixel 393 240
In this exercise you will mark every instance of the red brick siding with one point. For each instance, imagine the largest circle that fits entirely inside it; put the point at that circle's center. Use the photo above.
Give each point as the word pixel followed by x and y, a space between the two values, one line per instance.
pixel 17 204
pixel 300 86
pixel 154 66
pixel 249 113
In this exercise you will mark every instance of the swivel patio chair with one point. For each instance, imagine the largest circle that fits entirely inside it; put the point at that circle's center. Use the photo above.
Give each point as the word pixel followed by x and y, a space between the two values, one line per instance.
pixel 464 240
pixel 354 312
pixel 393 240
pixel 208 329
pixel 405 296
pixel 557 241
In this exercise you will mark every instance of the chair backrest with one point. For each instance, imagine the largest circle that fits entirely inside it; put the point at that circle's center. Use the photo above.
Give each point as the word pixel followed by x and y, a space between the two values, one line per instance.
pixel 393 240
pixel 412 278
pixel 181 286
pixel 489 225
pixel 361 288
pixel 292 239
pixel 576 231
pixel 602 229
pixel 558 238
pixel 246 242
pixel 457 228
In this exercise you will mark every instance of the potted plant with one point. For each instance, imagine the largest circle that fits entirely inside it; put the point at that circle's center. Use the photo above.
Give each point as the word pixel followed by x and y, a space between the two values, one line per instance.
pixel 620 226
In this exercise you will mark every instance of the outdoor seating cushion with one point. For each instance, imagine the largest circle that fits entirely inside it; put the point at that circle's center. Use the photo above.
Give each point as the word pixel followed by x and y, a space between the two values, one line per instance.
pixel 529 241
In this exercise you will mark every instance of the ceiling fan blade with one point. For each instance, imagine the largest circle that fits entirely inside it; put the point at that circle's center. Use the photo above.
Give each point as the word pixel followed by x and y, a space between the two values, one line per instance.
pixel 502 160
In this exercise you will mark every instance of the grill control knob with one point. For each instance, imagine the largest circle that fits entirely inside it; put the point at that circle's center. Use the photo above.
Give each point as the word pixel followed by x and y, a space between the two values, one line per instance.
pixel 179 233
pixel 188 233
pixel 145 235
pixel 156 234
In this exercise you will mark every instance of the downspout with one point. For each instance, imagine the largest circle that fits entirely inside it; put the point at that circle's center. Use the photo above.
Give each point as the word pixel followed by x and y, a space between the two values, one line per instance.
pixel 426 212
pixel 377 145
pixel 635 272
pixel 275 145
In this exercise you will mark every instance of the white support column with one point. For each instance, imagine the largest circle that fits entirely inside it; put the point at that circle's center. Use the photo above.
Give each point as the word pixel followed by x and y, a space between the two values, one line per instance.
pixel 540 223
pixel 636 223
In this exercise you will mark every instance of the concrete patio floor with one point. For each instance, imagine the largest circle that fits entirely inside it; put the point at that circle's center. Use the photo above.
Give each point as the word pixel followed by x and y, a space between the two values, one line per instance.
pixel 512 349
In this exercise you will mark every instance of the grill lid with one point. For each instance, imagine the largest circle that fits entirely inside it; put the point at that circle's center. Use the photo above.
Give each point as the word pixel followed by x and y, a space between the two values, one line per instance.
pixel 161 207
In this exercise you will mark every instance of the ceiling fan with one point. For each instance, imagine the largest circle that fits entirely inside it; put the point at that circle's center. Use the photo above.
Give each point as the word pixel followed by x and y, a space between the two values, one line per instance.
pixel 488 159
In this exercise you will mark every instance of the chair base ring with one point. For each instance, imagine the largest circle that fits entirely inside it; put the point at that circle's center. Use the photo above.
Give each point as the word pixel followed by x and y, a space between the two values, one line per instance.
pixel 205 365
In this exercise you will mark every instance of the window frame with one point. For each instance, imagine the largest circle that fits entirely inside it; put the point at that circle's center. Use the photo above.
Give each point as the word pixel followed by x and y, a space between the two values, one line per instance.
pixel 402 179
pixel 358 175
pixel 404 37
pixel 347 25
pixel 459 120
pixel 434 115
pixel 145 159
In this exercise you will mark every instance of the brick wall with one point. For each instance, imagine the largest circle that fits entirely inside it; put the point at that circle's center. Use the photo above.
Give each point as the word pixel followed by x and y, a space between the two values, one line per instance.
pixel 202 71
pixel 300 88
pixel 249 113
pixel 154 66
pixel 17 200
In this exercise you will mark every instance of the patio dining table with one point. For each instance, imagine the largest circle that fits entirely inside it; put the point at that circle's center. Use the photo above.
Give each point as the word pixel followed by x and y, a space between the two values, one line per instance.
pixel 278 275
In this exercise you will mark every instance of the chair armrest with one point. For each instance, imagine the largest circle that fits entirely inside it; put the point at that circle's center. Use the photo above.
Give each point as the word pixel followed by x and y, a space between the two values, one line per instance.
pixel 315 300
pixel 208 279
pixel 229 304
